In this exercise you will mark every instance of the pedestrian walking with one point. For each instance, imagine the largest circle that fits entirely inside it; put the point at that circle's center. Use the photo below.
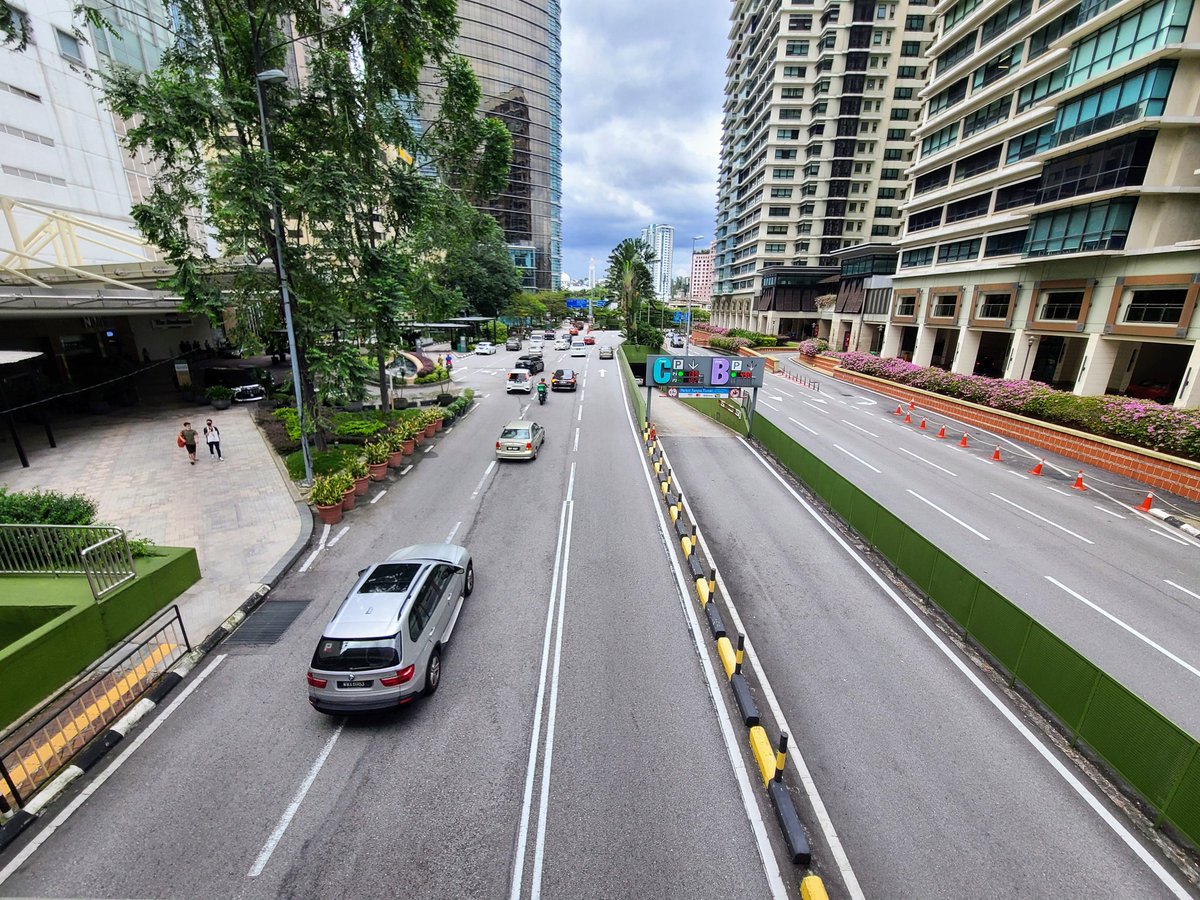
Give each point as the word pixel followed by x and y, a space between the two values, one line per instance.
pixel 212 436
pixel 439 360
pixel 187 440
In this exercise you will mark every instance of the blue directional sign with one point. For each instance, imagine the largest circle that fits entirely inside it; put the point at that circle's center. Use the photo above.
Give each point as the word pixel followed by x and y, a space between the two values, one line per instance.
pixel 577 303
pixel 678 317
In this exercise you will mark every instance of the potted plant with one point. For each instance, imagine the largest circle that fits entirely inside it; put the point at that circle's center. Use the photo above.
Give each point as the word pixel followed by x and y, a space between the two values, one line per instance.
pixel 430 423
pixel 349 492
pixel 395 444
pixel 416 426
pixel 326 495
pixel 357 468
pixel 219 396
pixel 377 454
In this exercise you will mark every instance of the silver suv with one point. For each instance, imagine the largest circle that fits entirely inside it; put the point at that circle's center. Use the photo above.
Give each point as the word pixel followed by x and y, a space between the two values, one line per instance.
pixel 383 646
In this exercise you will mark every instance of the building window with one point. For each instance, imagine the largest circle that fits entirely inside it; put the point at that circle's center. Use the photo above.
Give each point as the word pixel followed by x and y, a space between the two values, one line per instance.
pixel 968 208
pixel 792 93
pixel 983 161
pixel 957 251
pixel 886 212
pixel 944 306
pixel 901 114
pixel 997 67
pixel 68 46
pixel 906 304
pixel 785 114
pixel 893 154
pixel 994 306
pixel 881 231
pixel 794 71
pixel 939 140
pixel 887 193
pixel 778 211
pixel 922 256
pixel 956 54
pixel 1040 40
pixel 785 154
pixel 897 134
pixel 1020 194
pixel 807 209
pixel 788 134
pixel 948 97
pixel 1046 86
pixel 1163 306
pixel 780 192
pixel 1133 35
pixel 1115 164
pixel 1061 306
pixel 1095 226
pixel 1005 244
pixel 910 48
pixel 774 248
pixel 22 27
pixel 906 72
pixel 929 218
pixel 1005 19
pixel 914 23
pixel 797 48
pixel 1140 94
pixel 1030 143
pixel 783 173
pixel 777 229
pixel 960 11
pixel 902 93
pixel 800 23
pixel 985 117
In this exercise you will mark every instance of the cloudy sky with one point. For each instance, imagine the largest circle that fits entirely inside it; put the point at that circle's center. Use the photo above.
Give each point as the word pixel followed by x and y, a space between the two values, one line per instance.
pixel 642 94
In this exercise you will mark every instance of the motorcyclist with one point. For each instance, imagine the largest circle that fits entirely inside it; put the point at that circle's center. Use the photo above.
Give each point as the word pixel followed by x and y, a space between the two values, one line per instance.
pixel 541 389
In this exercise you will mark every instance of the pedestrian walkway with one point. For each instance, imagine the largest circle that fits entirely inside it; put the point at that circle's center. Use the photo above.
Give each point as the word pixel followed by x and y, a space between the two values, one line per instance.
pixel 240 514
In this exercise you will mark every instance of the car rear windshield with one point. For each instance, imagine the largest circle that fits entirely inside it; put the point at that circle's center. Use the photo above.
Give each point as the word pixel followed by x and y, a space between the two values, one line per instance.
pixel 390 578
pixel 353 655
pixel 515 434
pixel 564 374
pixel 518 376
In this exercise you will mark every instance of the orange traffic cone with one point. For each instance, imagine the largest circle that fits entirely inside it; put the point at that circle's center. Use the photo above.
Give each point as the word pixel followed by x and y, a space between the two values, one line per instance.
pixel 942 432
pixel 899 411
pixel 963 442
pixel 1079 485
pixel 996 455
pixel 907 419
pixel 912 404
pixel 922 425
pixel 653 433
pixel 1037 470
pixel 1145 507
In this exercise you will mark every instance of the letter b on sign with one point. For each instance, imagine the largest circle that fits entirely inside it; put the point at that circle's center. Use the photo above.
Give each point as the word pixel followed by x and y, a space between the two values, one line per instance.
pixel 720 372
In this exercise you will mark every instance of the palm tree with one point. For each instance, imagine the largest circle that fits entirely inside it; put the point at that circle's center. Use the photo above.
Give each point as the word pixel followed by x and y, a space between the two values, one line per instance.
pixel 629 278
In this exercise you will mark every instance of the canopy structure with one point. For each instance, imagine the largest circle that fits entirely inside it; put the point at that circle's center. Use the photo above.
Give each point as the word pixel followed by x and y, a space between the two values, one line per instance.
pixel 15 356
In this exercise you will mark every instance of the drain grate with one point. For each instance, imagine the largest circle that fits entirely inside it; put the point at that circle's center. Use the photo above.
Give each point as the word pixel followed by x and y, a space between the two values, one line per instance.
pixel 267 624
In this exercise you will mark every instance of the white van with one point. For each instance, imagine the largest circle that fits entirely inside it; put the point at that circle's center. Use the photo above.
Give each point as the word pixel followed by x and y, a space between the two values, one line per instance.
pixel 518 380
pixel 578 347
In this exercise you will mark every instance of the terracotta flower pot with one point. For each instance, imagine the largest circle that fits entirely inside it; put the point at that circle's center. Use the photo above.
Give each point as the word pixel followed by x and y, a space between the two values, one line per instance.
pixel 430 429
pixel 396 459
pixel 330 515
pixel 378 471
pixel 418 438
pixel 348 498
pixel 360 485
pixel 410 447
pixel 437 424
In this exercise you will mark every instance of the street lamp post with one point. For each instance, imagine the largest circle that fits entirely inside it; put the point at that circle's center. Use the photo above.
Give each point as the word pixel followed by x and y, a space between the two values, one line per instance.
pixel 687 332
pixel 278 76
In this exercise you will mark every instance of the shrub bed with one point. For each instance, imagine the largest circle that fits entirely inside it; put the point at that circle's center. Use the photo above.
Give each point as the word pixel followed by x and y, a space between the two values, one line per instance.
pixel 730 344
pixel 1142 423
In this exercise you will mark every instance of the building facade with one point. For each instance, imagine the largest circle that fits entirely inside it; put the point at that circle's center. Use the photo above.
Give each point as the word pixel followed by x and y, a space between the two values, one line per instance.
pixel 515 49
pixel 661 239
pixel 701 277
pixel 820 107
pixel 1053 223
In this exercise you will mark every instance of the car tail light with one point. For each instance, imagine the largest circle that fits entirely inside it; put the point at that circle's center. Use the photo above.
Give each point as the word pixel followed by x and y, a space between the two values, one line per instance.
pixel 316 682
pixel 528 445
pixel 401 677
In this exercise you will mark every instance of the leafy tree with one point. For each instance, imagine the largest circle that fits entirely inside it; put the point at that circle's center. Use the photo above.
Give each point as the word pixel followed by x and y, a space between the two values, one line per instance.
pixel 629 280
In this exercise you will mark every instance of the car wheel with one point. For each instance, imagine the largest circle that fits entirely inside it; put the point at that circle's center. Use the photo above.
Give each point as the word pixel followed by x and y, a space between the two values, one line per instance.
pixel 433 673
pixel 536 451
pixel 469 580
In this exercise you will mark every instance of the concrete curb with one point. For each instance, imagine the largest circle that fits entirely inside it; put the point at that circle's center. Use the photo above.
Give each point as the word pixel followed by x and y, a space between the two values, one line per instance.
pixel 1183 526
pixel 95 751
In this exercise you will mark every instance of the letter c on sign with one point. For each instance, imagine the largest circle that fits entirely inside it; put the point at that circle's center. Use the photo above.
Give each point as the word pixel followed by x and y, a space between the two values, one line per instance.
pixel 662 370
pixel 720 371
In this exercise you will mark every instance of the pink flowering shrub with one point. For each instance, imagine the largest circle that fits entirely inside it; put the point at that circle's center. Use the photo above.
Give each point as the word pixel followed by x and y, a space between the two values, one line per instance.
pixel 710 329
pixel 1145 424
pixel 813 347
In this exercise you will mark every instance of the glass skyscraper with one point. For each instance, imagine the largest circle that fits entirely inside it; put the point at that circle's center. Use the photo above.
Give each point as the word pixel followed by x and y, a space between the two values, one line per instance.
pixel 515 48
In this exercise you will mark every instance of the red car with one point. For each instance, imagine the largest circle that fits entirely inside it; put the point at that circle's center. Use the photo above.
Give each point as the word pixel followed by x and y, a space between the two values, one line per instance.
pixel 574 331
pixel 588 339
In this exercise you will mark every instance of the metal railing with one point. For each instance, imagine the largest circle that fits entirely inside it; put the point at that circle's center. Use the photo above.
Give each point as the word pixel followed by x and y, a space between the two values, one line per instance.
pixel 40 748
pixel 101 552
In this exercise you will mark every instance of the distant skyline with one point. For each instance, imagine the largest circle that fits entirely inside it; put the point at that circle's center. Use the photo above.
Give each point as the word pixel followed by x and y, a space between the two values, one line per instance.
pixel 643 86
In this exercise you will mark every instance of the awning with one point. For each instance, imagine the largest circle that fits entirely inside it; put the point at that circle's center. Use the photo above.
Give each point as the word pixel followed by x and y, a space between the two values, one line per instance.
pixel 16 356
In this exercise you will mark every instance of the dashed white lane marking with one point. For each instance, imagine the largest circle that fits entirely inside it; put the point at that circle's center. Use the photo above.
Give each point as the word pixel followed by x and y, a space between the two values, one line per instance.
pixel 1137 634
pixel 453 532
pixel 768 405
pixel 341 534
pixel 1169 537
pixel 379 496
pixel 817 408
pixel 1018 474
pixel 802 425
pixel 579 418
pixel 1041 518
pixel 858 459
pixel 406 469
pixel 1107 512
pixel 428 449
pixel 264 855
pixel 312 557
pixel 575 446
pixel 1180 587
pixel 952 518
pixel 860 428
pixel 483 478
pixel 786 394
pixel 1057 491
pixel 927 462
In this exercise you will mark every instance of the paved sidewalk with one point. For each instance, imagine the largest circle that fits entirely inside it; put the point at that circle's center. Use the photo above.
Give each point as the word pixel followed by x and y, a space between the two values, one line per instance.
pixel 240 515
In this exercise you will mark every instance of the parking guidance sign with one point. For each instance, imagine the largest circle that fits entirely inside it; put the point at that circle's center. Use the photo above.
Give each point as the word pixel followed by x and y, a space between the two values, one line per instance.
pixel 704 371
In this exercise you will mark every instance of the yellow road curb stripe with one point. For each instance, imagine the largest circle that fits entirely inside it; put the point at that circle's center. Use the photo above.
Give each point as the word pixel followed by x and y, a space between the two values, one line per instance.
pixel 812 888
pixel 764 753
pixel 728 657
pixel 702 590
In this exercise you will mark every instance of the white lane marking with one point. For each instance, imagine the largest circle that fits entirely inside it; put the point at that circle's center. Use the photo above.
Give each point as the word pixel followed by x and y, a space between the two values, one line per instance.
pixel 863 430
pixel 1057 491
pixel 324 535
pixel 768 405
pixel 785 393
pixel 1069 777
pixel 341 534
pixel 94 785
pixel 817 400
pixel 312 557
pixel 603 372
pixel 453 532
pixel 535 737
pixel 1041 518
pixel 264 855
pixel 1137 634
pixel 802 425
pixel 776 399
pixel 1018 474
pixel 928 462
pixel 579 418
pixel 817 408
pixel 483 477
pixel 539 845
pixel 1107 512
pixel 428 449
pixel 952 518
pixel 575 445
pixel 732 746
pixel 406 469
pixel 379 496
pixel 858 459
pixel 1181 588
pixel 1169 537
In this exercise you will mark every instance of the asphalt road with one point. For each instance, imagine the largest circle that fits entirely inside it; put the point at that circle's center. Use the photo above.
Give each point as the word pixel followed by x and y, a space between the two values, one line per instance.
pixel 572 749
pixel 932 789
pixel 1121 587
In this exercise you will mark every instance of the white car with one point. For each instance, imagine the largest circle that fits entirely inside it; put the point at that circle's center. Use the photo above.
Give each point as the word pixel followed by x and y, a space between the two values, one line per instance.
pixel 578 347
pixel 563 343
pixel 485 348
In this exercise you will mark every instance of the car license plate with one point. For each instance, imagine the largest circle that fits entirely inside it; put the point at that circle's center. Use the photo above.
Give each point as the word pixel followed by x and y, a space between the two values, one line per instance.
pixel 355 684
pixel 514 447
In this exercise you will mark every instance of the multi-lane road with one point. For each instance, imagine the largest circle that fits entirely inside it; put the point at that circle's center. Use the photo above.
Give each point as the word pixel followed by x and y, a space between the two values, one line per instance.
pixel 580 744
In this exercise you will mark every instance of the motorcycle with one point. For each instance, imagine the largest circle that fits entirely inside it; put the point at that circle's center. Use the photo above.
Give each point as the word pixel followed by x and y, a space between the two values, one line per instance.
pixel 542 398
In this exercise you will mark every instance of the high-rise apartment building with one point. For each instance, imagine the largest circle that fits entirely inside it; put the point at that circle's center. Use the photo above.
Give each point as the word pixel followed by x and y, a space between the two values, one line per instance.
pixel 1053 223
pixel 700 281
pixel 661 239
pixel 820 107
pixel 515 49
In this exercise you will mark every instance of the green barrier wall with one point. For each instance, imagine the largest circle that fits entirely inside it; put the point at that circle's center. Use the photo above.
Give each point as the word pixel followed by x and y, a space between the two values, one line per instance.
pixel 714 410
pixel 1156 757
pixel 636 392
